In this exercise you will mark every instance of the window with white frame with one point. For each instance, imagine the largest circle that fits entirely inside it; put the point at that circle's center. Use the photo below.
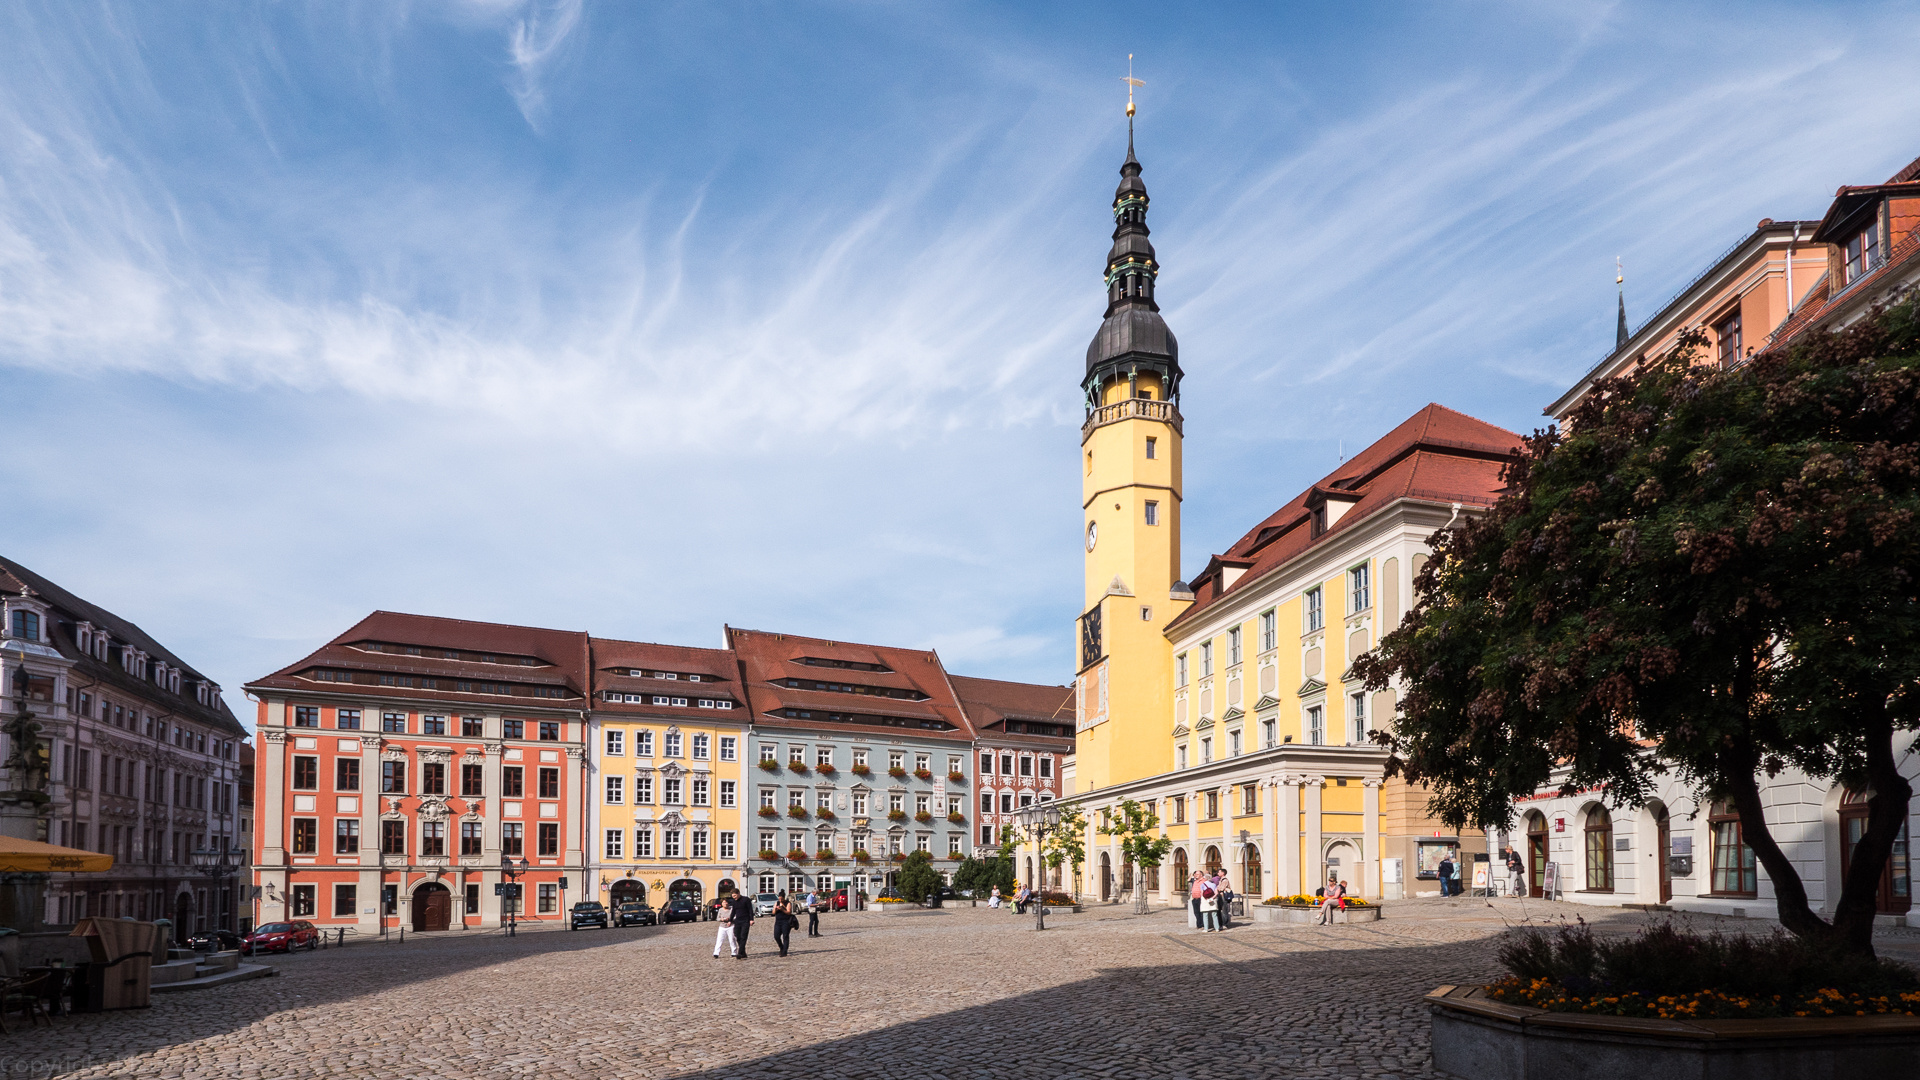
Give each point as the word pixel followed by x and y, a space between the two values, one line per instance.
pixel 1314 603
pixel 643 791
pixel 701 744
pixel 1316 725
pixel 1269 631
pixel 699 843
pixel 670 843
pixel 1206 659
pixel 727 788
pixel 701 790
pixel 1206 750
pixel 616 742
pixel 670 790
pixel 1180 756
pixel 673 744
pixel 616 843
pixel 1233 743
pixel 1356 718
pixel 1359 591
pixel 769 751
pixel 823 755
pixel 643 743
pixel 823 799
pixel 727 845
pixel 1046 768
pixel 769 798
pixel 729 748
pixel 1269 733
pixel 860 802
pixel 1180 670
pixel 616 790
pixel 953 839
pixel 1233 646
pixel 923 842
pixel 643 842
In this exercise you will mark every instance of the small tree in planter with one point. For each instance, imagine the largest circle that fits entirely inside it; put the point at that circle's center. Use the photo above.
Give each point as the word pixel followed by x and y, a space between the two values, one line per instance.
pixel 799 767
pixel 798 813
pixel 896 815
pixel 898 772
pixel 1066 843
pixel 1140 844
pixel 923 816
pixel 769 765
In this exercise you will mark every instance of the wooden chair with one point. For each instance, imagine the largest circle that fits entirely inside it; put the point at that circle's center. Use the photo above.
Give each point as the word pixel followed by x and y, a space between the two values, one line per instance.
pixel 29 994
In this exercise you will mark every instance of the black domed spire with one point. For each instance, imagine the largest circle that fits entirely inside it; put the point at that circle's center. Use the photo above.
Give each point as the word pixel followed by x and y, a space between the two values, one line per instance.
pixel 1133 338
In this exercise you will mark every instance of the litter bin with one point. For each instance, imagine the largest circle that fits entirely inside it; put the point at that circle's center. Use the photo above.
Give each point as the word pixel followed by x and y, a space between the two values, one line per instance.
pixel 121 975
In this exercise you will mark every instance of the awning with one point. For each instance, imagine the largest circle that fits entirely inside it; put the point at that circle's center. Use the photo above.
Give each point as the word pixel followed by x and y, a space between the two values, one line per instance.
pixel 33 857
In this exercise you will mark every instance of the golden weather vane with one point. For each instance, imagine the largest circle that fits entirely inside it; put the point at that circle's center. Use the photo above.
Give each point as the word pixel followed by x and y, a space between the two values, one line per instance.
pixel 1619 272
pixel 1131 83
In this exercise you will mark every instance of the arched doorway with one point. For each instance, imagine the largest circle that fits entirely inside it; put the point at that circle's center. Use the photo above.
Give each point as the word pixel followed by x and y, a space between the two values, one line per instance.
pixel 1599 837
pixel 627 891
pixel 1250 876
pixel 1343 864
pixel 1213 859
pixel 1536 854
pixel 182 918
pixel 1106 876
pixel 432 907
pixel 687 887
pixel 1126 873
pixel 1180 870
pixel 725 888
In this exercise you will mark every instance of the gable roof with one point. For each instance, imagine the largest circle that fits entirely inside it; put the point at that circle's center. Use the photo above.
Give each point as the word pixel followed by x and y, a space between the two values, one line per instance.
pixel 992 705
pixel 1436 455
pixel 769 662
pixel 717 672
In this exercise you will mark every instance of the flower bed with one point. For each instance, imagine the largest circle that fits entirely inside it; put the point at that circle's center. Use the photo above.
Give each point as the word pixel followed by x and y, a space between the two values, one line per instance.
pixel 1298 900
pixel 1548 996
pixel 1299 913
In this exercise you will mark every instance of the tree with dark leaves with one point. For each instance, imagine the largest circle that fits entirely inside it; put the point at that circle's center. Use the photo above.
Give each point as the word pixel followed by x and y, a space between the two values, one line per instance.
pixel 1706 571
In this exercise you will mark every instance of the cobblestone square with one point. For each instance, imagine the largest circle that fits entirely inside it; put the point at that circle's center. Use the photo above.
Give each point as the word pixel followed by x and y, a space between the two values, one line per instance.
pixel 963 992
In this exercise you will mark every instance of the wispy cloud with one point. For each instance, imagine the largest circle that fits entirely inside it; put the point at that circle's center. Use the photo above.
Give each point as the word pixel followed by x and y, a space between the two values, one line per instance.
pixel 533 43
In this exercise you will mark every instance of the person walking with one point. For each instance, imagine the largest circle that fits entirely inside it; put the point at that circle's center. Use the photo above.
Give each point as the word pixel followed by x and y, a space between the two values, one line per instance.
pixel 723 913
pixel 1516 873
pixel 1446 875
pixel 1335 894
pixel 783 921
pixel 813 914
pixel 742 914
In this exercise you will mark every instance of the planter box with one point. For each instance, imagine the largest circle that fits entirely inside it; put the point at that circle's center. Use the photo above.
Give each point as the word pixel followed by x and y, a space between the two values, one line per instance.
pixel 1476 1037
pixel 1277 913
pixel 894 909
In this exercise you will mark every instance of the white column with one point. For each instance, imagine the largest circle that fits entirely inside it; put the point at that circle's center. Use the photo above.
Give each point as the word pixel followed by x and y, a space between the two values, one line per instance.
pixel 1370 858
pixel 574 844
pixel 490 905
pixel 1271 883
pixel 1312 854
pixel 270 813
pixel 1289 835
pixel 369 889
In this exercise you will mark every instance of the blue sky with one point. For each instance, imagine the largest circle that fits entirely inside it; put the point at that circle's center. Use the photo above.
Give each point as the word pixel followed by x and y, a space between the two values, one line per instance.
pixel 645 318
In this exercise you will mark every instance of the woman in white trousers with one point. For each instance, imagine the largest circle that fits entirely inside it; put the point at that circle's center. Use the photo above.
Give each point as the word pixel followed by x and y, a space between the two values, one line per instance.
pixel 724 939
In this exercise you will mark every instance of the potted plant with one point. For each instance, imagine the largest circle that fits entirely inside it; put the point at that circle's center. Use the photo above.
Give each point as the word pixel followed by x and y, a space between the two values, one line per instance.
pixel 768 811
pixel 825 855
pixel 862 770
pixel 798 767
pixel 862 856
pixel 797 813
pixel 825 814
pixel 898 772
pixel 798 855
pixel 825 768
pixel 956 777
pixel 769 854
pixel 896 815
pixel 954 856
pixel 769 764
pixel 923 816
pixel 923 774
pixel 957 818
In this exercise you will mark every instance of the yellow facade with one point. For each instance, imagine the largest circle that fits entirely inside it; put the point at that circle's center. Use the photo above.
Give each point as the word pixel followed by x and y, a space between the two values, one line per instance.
pixel 668 797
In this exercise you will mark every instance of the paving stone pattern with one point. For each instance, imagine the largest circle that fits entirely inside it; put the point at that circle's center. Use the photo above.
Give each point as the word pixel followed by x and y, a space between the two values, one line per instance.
pixel 963 992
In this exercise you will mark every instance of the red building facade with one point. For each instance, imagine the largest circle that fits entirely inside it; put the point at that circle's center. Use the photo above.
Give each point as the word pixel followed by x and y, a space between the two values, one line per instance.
pixel 411 765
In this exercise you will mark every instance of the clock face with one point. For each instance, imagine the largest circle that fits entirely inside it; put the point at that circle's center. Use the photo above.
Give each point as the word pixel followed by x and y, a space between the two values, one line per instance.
pixel 1093 533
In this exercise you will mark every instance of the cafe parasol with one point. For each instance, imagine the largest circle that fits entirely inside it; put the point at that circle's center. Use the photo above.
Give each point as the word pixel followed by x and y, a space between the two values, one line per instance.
pixel 33 857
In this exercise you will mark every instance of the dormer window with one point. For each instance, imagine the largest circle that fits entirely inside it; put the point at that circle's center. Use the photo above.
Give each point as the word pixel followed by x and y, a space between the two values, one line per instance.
pixel 1861 254
pixel 26 624
pixel 1319 519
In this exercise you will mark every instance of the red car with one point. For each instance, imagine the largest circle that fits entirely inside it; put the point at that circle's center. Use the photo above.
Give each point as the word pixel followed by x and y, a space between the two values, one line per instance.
pixel 839 900
pixel 281 937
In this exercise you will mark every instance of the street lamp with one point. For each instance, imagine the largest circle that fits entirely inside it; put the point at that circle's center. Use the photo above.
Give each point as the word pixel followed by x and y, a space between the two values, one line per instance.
pixel 218 862
pixel 1037 819
pixel 512 874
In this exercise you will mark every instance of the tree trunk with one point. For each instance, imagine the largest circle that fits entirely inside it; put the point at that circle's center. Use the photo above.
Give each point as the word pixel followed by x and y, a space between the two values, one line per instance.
pixel 1789 891
pixel 1888 796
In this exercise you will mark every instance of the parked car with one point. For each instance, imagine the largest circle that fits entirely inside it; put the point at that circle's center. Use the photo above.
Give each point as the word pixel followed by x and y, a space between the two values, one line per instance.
pixel 681 909
pixel 763 904
pixel 587 913
pixel 634 913
pixel 214 941
pixel 281 937
pixel 839 900
pixel 712 910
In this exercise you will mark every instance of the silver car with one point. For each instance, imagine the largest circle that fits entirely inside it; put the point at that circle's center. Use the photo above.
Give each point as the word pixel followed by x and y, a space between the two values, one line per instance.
pixel 763 904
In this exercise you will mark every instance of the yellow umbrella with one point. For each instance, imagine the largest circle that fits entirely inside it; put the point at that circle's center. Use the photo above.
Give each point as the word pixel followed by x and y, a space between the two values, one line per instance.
pixel 33 857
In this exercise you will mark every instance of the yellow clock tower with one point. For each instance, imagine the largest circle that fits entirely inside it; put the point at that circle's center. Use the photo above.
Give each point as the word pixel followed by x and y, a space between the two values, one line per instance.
pixel 1130 502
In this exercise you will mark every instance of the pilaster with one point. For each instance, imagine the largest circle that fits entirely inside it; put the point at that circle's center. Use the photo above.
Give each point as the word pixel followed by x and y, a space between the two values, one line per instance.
pixel 1370 858
pixel 1311 787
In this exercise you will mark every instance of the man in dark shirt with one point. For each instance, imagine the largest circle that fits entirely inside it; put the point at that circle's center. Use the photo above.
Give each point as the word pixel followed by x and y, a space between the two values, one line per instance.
pixel 1446 875
pixel 742 922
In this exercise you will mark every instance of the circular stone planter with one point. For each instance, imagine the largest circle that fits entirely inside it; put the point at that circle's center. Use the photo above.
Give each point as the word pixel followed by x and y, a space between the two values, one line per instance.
pixel 1475 1036
pixel 1281 913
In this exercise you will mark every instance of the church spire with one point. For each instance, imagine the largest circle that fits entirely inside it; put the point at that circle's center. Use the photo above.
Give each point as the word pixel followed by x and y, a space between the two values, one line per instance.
pixel 1133 339
pixel 1620 331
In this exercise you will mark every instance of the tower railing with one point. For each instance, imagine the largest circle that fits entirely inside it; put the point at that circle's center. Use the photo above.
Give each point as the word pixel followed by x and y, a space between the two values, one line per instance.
pixel 1132 408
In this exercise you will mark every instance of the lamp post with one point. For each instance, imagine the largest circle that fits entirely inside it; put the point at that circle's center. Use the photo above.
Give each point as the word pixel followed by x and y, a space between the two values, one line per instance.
pixel 217 863
pixel 512 897
pixel 1037 820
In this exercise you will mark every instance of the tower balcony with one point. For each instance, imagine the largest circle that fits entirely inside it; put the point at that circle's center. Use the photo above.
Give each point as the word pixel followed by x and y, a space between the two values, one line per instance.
pixel 1130 409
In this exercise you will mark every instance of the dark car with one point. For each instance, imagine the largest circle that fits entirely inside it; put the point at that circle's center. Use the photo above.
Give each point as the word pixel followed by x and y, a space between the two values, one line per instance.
pixel 681 909
pixel 587 913
pixel 634 913
pixel 713 906
pixel 214 941
pixel 281 937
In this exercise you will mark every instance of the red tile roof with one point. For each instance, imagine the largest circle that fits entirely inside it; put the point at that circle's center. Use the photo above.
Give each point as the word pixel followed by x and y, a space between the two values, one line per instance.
pixel 991 703
pixel 768 660
pixel 1438 455
pixel 563 656
pixel 718 671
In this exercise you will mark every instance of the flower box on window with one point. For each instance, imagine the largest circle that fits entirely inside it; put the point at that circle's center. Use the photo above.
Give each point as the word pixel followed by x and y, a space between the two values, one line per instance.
pixel 896 815
pixel 797 855
pixel 798 767
pixel 957 818
pixel 861 855
pixel 956 777
pixel 898 772
pixel 862 770
pixel 824 814
pixel 768 811
pixel 824 855
pixel 769 764
pixel 923 816
pixel 798 813
pixel 825 768
pixel 769 854
pixel 924 774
